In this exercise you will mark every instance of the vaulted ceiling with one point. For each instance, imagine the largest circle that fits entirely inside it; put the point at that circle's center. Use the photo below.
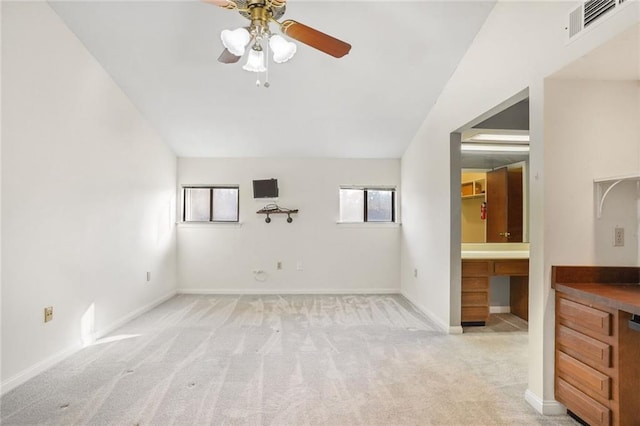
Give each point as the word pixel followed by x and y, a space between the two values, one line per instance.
pixel 368 104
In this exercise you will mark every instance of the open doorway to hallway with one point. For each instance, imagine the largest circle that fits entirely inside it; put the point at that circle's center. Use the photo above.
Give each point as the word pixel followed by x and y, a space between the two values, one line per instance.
pixel 489 168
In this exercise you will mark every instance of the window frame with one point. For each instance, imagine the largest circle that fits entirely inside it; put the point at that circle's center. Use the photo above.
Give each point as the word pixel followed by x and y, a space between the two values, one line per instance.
pixel 365 190
pixel 211 189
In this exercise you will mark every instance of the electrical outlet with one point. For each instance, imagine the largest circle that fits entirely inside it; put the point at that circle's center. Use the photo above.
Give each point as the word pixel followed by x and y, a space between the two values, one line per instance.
pixel 299 265
pixel 48 313
pixel 279 265
pixel 618 237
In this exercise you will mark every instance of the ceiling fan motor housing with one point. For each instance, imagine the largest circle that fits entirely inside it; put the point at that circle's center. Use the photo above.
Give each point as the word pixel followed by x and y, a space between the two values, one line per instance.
pixel 260 12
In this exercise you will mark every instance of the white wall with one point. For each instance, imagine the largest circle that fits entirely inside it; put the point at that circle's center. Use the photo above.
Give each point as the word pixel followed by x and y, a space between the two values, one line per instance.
pixel 88 191
pixel 520 44
pixel 1 132
pixel 591 131
pixel 334 258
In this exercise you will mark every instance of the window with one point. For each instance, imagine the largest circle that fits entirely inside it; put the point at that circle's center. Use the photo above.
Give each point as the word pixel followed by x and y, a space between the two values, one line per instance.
pixel 367 204
pixel 210 204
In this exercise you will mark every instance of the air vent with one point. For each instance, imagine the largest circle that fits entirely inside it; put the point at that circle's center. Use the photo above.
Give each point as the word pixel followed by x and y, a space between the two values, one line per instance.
pixel 576 18
pixel 588 13
pixel 595 9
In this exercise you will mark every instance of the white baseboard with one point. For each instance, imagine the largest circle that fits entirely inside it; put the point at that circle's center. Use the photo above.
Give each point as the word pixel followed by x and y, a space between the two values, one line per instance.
pixel 253 291
pixel 441 324
pixel 45 364
pixel 547 408
pixel 455 329
pixel 499 309
pixel 39 367
pixel 122 321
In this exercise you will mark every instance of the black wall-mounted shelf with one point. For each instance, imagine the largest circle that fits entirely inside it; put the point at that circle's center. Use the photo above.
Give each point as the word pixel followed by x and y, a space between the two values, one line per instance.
pixel 277 210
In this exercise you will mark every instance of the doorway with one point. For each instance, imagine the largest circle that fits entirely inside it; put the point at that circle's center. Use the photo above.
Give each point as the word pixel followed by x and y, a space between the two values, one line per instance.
pixel 490 250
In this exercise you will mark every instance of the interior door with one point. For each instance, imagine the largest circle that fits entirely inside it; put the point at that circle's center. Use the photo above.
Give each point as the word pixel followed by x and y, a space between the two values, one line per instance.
pixel 497 205
pixel 514 205
pixel 504 205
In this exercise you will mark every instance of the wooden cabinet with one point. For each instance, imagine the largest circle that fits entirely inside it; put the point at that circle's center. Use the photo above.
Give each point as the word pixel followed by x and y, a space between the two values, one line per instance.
pixel 597 368
pixel 511 267
pixel 475 291
pixel 476 274
pixel 586 350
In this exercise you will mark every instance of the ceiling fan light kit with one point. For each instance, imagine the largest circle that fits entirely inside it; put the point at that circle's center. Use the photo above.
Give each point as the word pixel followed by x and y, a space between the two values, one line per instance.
pixel 255 60
pixel 283 50
pixel 261 13
pixel 235 41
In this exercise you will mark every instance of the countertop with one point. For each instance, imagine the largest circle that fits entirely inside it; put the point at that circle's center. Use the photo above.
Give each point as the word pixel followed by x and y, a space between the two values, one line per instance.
pixel 616 287
pixel 495 251
pixel 624 297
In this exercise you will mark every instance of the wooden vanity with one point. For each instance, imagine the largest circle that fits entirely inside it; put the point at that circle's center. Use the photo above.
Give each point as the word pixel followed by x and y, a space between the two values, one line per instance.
pixel 476 274
pixel 597 350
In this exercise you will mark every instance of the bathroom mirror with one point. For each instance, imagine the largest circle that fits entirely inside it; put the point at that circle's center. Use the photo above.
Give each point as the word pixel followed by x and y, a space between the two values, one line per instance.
pixel 494 187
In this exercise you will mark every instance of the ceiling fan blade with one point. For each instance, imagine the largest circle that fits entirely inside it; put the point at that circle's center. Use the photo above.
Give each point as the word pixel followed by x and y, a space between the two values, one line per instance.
pixel 314 38
pixel 227 4
pixel 227 57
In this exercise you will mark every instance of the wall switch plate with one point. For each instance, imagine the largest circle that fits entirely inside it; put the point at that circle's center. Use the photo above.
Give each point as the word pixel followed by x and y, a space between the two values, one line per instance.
pixel 618 237
pixel 48 313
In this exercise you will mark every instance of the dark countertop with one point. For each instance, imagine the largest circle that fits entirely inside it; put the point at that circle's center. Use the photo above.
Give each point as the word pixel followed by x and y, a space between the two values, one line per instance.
pixel 624 297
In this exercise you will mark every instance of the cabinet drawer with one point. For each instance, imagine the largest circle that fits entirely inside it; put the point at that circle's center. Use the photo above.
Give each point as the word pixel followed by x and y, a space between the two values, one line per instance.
pixel 583 377
pixel 511 267
pixel 582 347
pixel 475 313
pixel 475 298
pixel 477 268
pixel 475 284
pixel 585 316
pixel 586 408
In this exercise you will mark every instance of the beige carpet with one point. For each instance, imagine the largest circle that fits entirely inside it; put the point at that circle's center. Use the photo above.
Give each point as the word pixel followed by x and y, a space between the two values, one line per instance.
pixel 284 360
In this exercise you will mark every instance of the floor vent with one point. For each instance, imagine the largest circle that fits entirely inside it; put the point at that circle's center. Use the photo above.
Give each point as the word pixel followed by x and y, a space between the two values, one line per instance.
pixel 588 13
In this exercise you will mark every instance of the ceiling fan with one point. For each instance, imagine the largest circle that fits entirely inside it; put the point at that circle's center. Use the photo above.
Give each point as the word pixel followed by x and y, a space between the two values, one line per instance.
pixel 261 13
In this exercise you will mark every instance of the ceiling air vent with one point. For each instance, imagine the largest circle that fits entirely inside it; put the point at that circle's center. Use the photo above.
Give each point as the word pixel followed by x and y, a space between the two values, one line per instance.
pixel 588 13
pixel 595 9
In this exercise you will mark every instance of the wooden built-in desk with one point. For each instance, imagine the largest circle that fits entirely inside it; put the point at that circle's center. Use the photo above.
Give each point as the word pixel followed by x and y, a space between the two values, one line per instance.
pixel 597 353
pixel 476 274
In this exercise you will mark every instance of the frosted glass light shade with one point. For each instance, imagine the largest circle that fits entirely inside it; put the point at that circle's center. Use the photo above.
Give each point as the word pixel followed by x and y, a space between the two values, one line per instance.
pixel 283 50
pixel 235 41
pixel 255 61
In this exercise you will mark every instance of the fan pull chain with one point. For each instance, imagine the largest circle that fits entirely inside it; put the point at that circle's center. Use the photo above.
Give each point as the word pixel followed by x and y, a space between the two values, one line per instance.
pixel 266 76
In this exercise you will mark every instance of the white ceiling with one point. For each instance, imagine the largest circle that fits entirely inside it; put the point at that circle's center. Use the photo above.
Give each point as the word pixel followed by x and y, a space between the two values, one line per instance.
pixel 368 104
